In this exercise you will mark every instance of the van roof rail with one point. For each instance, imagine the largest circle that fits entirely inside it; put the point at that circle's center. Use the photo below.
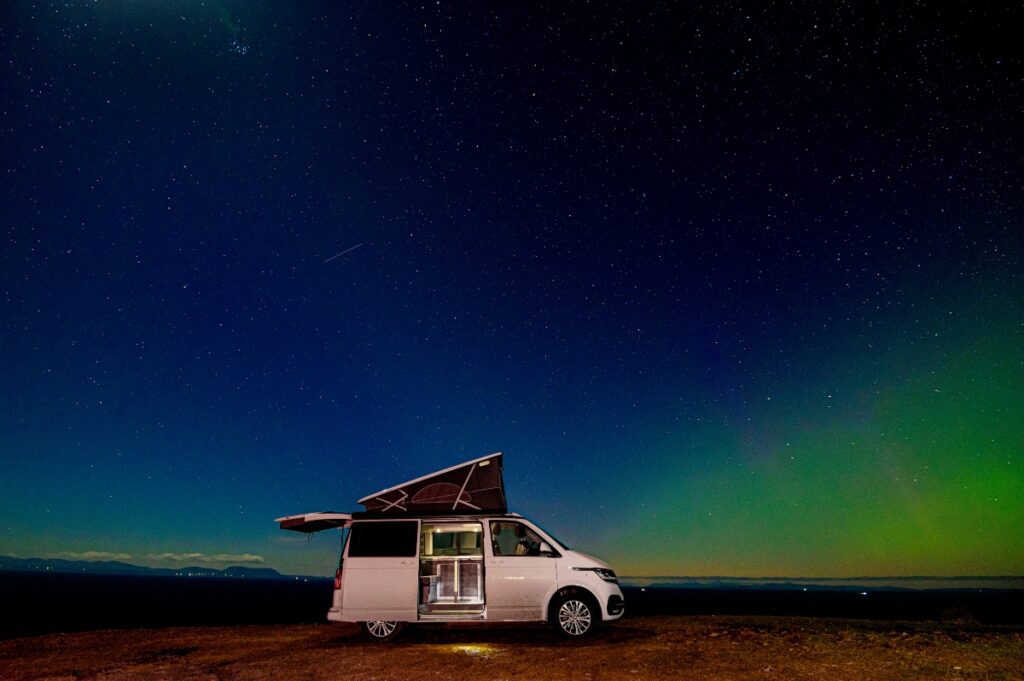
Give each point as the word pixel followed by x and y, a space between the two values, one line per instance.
pixel 398 515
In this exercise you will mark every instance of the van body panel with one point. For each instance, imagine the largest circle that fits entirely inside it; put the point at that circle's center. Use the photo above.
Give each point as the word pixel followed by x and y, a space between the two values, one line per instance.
pixel 518 587
pixel 379 589
pixel 585 560
pixel 379 571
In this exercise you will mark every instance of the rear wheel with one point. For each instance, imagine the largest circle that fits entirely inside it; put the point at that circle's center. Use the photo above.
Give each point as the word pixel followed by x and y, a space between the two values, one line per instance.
pixel 381 630
pixel 575 614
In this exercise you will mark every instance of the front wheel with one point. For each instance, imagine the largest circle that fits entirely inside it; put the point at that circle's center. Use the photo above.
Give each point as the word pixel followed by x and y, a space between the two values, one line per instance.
pixel 381 630
pixel 575 615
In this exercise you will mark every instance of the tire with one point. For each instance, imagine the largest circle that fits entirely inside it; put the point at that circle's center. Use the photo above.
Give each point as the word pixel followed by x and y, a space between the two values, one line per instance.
pixel 381 631
pixel 575 614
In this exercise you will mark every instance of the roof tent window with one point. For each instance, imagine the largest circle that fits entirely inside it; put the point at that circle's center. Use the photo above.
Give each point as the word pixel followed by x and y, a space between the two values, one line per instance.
pixel 383 539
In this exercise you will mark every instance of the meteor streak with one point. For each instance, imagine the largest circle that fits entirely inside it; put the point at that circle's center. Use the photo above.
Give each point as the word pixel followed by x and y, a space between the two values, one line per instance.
pixel 338 255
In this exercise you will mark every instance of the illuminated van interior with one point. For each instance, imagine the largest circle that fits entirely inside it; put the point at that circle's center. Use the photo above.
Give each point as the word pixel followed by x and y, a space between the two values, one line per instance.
pixel 451 568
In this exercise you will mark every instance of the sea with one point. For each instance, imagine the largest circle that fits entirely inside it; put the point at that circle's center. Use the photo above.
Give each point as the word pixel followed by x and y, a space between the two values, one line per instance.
pixel 36 603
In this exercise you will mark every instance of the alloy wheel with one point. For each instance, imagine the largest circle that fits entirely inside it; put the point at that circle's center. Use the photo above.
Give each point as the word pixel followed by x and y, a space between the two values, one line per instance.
pixel 381 628
pixel 574 617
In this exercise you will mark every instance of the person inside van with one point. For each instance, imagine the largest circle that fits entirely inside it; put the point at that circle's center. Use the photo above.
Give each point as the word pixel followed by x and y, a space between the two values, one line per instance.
pixel 514 539
pixel 526 546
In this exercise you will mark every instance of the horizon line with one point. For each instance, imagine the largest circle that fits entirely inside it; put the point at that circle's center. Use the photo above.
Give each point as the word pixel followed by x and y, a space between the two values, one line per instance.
pixel 625 577
pixel 1021 576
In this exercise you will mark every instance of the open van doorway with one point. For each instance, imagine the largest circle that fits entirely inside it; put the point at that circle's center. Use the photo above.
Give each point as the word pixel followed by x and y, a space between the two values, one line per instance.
pixel 451 569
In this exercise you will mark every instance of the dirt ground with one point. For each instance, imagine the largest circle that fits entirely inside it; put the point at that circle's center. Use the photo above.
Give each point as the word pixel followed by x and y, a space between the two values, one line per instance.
pixel 636 648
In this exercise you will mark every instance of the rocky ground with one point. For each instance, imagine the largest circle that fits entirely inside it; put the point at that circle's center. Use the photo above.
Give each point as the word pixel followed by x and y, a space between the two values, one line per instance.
pixel 636 648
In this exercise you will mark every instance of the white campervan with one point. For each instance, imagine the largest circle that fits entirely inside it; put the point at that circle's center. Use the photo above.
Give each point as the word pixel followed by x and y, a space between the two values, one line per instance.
pixel 444 548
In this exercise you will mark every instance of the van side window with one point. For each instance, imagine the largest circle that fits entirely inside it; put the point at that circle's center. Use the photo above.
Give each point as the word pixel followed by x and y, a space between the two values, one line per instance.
pixel 514 539
pixel 383 539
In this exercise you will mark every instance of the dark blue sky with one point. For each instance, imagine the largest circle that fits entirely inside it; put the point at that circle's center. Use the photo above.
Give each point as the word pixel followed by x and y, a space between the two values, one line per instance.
pixel 646 252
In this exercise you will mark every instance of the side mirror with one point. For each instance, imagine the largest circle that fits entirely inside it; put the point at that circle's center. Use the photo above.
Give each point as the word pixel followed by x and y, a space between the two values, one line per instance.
pixel 546 550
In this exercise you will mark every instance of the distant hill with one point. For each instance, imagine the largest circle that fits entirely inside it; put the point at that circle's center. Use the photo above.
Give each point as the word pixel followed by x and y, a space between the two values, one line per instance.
pixel 253 573
pixel 113 567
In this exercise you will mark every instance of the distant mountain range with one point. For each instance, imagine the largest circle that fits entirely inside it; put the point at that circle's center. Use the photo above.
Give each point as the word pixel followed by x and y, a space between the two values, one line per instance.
pixel 113 567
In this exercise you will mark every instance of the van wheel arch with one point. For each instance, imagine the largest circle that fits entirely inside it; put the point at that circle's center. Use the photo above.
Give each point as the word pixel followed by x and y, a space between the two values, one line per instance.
pixel 577 593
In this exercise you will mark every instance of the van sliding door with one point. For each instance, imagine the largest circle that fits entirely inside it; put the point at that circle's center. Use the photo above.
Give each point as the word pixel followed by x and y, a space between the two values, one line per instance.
pixel 381 565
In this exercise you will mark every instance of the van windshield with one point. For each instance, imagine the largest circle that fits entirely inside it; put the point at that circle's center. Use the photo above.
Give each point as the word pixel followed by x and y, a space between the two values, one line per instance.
pixel 557 540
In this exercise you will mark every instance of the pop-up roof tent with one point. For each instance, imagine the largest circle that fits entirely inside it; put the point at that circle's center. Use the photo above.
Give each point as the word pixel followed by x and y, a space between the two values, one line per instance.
pixel 470 488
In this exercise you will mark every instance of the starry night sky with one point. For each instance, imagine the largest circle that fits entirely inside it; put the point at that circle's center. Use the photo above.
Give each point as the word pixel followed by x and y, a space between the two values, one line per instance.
pixel 737 289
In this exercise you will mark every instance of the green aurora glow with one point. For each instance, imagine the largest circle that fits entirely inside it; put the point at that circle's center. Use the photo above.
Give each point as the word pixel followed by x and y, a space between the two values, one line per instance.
pixel 918 475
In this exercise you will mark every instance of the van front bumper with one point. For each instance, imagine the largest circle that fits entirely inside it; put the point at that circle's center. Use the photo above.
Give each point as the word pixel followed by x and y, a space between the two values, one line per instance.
pixel 613 604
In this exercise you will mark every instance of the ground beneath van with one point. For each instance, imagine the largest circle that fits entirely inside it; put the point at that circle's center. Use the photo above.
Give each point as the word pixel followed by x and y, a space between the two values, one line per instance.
pixel 638 648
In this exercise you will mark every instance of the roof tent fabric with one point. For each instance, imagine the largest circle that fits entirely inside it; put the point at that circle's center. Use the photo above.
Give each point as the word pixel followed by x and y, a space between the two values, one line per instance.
pixel 469 488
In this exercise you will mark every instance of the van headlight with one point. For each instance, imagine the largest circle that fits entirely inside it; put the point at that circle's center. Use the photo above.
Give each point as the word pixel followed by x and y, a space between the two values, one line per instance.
pixel 604 573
